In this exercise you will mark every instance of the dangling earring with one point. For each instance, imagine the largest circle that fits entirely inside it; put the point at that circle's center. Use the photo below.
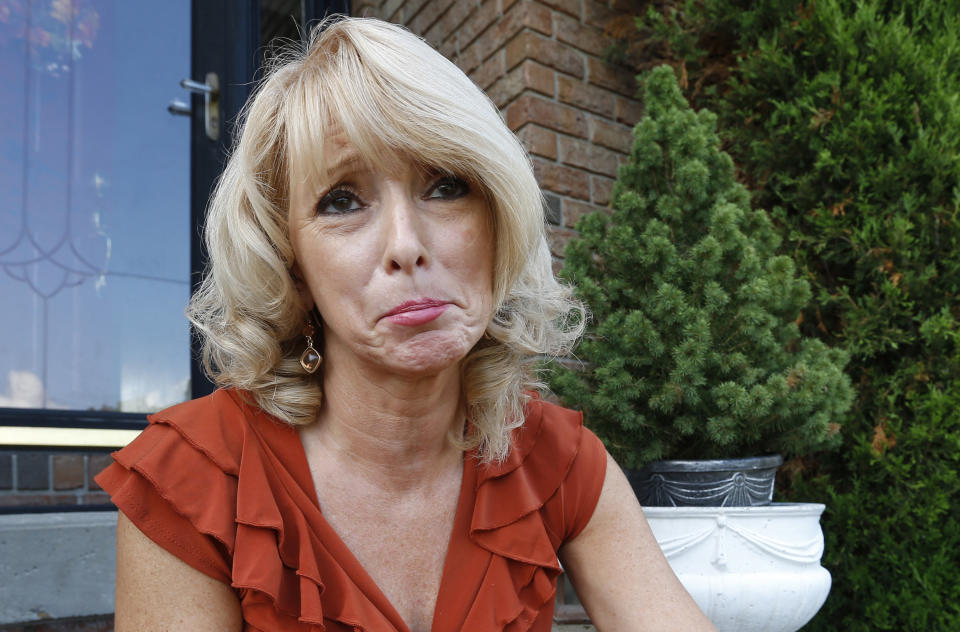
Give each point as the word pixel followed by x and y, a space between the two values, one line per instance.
pixel 310 359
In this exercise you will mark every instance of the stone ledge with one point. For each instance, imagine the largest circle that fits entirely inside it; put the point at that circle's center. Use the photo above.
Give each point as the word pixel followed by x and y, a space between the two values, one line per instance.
pixel 56 565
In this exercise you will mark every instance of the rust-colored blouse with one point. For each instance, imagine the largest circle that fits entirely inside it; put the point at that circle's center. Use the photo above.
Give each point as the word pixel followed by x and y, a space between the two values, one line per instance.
pixel 226 488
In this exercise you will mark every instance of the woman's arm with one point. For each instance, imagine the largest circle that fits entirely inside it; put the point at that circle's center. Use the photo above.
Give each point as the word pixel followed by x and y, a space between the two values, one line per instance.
pixel 157 591
pixel 619 572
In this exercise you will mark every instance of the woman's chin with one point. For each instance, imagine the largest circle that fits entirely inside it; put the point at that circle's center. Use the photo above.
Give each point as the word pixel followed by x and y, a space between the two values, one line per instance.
pixel 429 353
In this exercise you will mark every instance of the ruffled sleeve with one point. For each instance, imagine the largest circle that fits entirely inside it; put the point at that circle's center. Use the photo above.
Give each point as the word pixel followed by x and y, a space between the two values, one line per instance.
pixel 201 482
pixel 173 495
pixel 526 508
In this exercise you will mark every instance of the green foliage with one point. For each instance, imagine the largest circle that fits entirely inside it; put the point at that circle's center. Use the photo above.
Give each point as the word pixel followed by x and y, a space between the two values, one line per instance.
pixel 893 529
pixel 693 352
pixel 844 117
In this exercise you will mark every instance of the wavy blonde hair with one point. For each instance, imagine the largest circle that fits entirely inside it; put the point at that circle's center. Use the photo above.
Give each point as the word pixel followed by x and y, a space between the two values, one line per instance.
pixel 392 95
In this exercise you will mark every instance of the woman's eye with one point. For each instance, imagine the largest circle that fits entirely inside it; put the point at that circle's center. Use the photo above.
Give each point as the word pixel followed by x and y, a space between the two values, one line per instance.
pixel 448 188
pixel 337 202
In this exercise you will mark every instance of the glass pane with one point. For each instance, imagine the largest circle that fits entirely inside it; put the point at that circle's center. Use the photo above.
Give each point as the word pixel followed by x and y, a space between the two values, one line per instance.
pixel 94 204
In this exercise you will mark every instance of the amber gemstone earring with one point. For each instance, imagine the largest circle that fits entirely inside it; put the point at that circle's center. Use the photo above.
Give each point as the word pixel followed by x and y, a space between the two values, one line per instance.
pixel 310 359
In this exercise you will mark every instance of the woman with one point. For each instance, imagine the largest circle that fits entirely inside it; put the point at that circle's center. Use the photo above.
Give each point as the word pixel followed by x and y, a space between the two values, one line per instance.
pixel 379 288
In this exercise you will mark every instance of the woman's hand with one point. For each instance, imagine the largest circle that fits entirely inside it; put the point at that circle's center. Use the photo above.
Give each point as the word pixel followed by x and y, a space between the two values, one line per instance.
pixel 620 573
pixel 157 591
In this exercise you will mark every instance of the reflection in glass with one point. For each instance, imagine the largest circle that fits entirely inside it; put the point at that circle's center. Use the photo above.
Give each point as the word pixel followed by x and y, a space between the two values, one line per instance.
pixel 94 204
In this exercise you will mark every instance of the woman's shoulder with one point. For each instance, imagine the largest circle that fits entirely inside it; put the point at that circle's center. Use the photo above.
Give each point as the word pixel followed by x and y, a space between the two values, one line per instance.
pixel 222 426
pixel 216 424
pixel 549 439
pixel 554 459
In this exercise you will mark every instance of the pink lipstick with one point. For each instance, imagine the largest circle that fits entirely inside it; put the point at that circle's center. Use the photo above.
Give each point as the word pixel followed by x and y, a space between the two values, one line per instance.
pixel 417 312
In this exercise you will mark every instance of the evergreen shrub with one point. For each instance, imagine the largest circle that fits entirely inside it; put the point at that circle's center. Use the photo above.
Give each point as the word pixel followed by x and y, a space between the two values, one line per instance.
pixel 693 351
pixel 844 118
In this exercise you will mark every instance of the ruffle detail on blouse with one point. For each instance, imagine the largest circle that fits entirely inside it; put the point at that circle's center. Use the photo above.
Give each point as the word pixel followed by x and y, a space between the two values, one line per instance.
pixel 220 467
pixel 521 577
pixel 232 491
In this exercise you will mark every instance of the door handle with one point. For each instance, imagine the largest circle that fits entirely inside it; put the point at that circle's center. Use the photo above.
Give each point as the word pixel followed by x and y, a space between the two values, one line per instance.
pixel 210 90
pixel 179 107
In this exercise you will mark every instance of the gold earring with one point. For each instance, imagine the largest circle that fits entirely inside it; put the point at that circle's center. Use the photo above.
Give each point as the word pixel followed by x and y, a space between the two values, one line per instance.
pixel 310 359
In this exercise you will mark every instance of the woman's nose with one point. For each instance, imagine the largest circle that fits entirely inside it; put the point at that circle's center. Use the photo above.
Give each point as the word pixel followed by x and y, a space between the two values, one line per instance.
pixel 404 247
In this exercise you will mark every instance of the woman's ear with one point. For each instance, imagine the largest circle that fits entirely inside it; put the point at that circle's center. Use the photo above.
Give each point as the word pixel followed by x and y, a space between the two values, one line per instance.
pixel 306 298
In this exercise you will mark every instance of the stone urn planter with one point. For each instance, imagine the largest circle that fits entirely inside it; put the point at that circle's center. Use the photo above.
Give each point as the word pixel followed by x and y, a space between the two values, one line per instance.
pixel 750 569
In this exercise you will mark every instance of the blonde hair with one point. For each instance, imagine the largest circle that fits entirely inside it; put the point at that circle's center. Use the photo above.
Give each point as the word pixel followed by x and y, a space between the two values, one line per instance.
pixel 391 94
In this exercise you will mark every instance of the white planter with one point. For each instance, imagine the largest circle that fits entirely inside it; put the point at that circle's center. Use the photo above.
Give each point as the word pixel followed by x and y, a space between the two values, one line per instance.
pixel 751 569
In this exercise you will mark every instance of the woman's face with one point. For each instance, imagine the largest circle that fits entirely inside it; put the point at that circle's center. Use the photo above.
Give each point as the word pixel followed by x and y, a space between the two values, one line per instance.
pixel 399 264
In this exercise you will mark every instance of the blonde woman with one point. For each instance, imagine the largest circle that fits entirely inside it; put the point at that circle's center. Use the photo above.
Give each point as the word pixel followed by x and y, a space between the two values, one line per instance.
pixel 379 287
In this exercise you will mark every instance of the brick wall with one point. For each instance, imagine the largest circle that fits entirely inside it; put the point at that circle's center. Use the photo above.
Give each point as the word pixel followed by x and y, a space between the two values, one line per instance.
pixel 44 479
pixel 541 63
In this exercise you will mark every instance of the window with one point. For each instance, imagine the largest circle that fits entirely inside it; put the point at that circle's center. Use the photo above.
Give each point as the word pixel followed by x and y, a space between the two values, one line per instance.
pixel 94 206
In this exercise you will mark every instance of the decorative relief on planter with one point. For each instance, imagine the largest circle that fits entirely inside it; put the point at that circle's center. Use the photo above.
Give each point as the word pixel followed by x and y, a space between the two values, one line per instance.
pixel 718 483
pixel 806 552
pixel 751 569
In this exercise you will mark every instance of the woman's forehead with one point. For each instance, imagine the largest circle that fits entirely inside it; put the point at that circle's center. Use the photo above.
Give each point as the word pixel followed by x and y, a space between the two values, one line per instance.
pixel 338 155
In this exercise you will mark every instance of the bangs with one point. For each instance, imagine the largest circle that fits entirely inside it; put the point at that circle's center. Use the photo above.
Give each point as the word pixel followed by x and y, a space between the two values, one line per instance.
pixel 386 110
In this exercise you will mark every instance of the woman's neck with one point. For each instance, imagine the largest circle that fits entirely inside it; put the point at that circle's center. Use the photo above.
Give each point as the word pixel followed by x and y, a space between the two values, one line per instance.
pixel 390 428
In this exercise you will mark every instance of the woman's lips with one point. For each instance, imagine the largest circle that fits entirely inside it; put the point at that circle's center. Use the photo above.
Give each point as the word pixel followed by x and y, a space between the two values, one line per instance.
pixel 418 312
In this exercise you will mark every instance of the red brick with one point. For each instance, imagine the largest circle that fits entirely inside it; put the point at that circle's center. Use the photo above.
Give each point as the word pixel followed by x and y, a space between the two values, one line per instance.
pixel 524 14
pixel 68 471
pixel 529 45
pixel 391 10
pixel 33 470
pixel 562 180
pixel 449 49
pixel 97 498
pixel 567 6
pixel 445 29
pixel 537 17
pixel 534 109
pixel 585 96
pixel 469 60
pixel 6 471
pixel 489 71
pixel 573 210
pixel 409 10
pixel 587 38
pixel 600 189
pixel 476 24
pixel 627 111
pixel 557 239
pixel 429 15
pixel 619 80
pixel 36 500
pixel 611 135
pixel 598 14
pixel 586 155
pixel 506 4
pixel 96 463
pixel 527 76
pixel 539 141
pixel 538 77
pixel 367 9
pixel 506 89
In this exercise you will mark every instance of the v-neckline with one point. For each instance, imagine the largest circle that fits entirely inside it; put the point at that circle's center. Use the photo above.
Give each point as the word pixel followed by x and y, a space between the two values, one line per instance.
pixel 352 566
